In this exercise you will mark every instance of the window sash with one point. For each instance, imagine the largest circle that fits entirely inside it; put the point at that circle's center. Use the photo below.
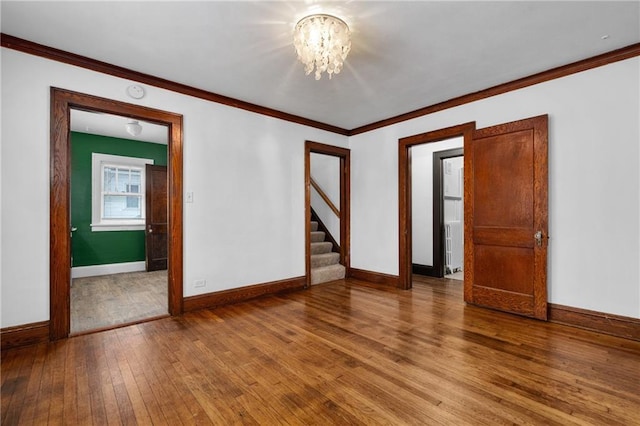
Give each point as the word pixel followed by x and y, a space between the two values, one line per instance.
pixel 111 193
pixel 118 192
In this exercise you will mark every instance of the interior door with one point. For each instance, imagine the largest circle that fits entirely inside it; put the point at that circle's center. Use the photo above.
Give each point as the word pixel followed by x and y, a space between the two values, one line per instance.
pixel 506 217
pixel 156 217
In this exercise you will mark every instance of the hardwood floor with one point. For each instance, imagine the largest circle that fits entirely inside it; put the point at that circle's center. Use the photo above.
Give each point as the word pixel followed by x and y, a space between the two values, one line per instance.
pixel 346 352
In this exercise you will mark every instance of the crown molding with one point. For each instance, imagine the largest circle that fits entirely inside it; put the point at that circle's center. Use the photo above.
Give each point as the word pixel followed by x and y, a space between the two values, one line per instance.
pixel 558 72
pixel 36 49
pixel 47 52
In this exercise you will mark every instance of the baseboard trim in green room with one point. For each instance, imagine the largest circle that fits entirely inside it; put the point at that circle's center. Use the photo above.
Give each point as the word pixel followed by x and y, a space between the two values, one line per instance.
pixel 112 268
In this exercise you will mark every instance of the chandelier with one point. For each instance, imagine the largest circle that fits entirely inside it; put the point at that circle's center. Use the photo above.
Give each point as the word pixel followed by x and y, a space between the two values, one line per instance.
pixel 322 42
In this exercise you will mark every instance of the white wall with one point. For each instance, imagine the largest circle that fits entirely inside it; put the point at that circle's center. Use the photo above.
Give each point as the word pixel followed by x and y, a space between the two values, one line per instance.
pixel 422 197
pixel 246 171
pixel 325 171
pixel 594 183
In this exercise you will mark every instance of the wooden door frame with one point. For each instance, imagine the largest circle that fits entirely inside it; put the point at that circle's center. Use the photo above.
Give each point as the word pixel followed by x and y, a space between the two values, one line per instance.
pixel 404 190
pixel 344 155
pixel 62 101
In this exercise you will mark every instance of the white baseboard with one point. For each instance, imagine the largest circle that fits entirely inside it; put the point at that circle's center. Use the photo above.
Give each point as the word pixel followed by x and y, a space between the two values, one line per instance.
pixel 113 268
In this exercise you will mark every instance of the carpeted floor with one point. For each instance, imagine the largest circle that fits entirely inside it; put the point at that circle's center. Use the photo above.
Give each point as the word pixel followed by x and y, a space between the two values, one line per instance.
pixel 107 300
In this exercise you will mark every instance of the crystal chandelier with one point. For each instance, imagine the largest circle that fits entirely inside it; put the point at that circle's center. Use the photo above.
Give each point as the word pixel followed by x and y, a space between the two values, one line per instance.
pixel 323 42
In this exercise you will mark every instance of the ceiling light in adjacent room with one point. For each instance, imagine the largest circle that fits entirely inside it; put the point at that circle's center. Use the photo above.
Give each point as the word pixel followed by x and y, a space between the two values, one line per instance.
pixel 322 42
pixel 134 128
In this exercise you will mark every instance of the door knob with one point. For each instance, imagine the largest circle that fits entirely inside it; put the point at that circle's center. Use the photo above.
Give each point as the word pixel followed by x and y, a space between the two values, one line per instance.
pixel 538 237
pixel 150 230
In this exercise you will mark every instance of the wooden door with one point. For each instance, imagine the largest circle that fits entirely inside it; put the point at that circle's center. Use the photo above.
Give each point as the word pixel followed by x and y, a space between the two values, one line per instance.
pixel 156 217
pixel 506 218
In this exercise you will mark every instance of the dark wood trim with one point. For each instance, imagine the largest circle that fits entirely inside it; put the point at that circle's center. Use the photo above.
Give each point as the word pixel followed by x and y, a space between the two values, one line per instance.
pixel 426 270
pixel 322 227
pixel 374 277
pixel 438 208
pixel 237 295
pixel 23 335
pixel 345 202
pixel 62 101
pixel 404 191
pixel 54 54
pixel 615 325
pixel 541 77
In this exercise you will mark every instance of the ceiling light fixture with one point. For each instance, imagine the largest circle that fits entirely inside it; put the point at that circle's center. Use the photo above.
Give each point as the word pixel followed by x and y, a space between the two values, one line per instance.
pixel 322 42
pixel 134 128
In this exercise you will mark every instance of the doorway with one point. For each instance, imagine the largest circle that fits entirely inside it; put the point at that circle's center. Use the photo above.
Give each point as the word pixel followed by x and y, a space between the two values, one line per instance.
pixel 115 174
pixel 62 102
pixel 418 159
pixel 448 212
pixel 436 201
pixel 338 217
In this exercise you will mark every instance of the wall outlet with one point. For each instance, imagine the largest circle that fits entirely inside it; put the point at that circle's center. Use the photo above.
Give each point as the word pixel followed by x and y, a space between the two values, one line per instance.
pixel 199 283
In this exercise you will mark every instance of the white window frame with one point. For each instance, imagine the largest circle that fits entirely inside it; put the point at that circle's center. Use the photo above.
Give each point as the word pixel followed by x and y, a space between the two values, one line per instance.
pixel 98 162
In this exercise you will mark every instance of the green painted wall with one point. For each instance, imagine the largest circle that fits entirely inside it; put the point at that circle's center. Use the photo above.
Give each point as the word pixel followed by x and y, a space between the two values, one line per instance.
pixel 99 248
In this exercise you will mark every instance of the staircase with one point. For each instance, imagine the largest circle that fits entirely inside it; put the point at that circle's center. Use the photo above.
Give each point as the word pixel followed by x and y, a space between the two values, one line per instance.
pixel 325 264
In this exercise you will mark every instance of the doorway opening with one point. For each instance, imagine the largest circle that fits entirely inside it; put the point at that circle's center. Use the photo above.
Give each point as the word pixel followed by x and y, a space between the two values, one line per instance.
pixel 436 207
pixel 118 221
pixel 327 212
pixel 448 195
pixel 62 103
pixel 422 239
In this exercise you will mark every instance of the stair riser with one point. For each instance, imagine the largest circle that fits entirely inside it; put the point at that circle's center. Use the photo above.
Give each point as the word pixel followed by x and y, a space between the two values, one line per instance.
pixel 319 248
pixel 327 273
pixel 314 226
pixel 325 259
pixel 317 236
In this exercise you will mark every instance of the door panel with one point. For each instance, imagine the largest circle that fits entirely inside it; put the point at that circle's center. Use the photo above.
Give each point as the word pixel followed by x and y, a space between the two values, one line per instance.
pixel 506 188
pixel 156 218
pixel 507 268
pixel 507 159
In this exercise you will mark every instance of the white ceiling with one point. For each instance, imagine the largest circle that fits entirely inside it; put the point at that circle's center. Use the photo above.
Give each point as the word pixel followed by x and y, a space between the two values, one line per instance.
pixel 405 55
pixel 116 126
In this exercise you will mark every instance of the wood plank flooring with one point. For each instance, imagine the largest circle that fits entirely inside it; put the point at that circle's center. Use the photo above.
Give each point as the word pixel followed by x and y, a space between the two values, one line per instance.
pixel 341 353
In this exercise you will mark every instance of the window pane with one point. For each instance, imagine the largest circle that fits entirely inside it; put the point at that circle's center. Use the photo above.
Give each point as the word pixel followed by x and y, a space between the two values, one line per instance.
pixel 135 179
pixel 117 207
pixel 123 179
pixel 109 179
pixel 133 202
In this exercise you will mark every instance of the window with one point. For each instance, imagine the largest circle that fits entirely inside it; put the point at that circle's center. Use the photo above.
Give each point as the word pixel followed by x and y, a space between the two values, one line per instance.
pixel 118 192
